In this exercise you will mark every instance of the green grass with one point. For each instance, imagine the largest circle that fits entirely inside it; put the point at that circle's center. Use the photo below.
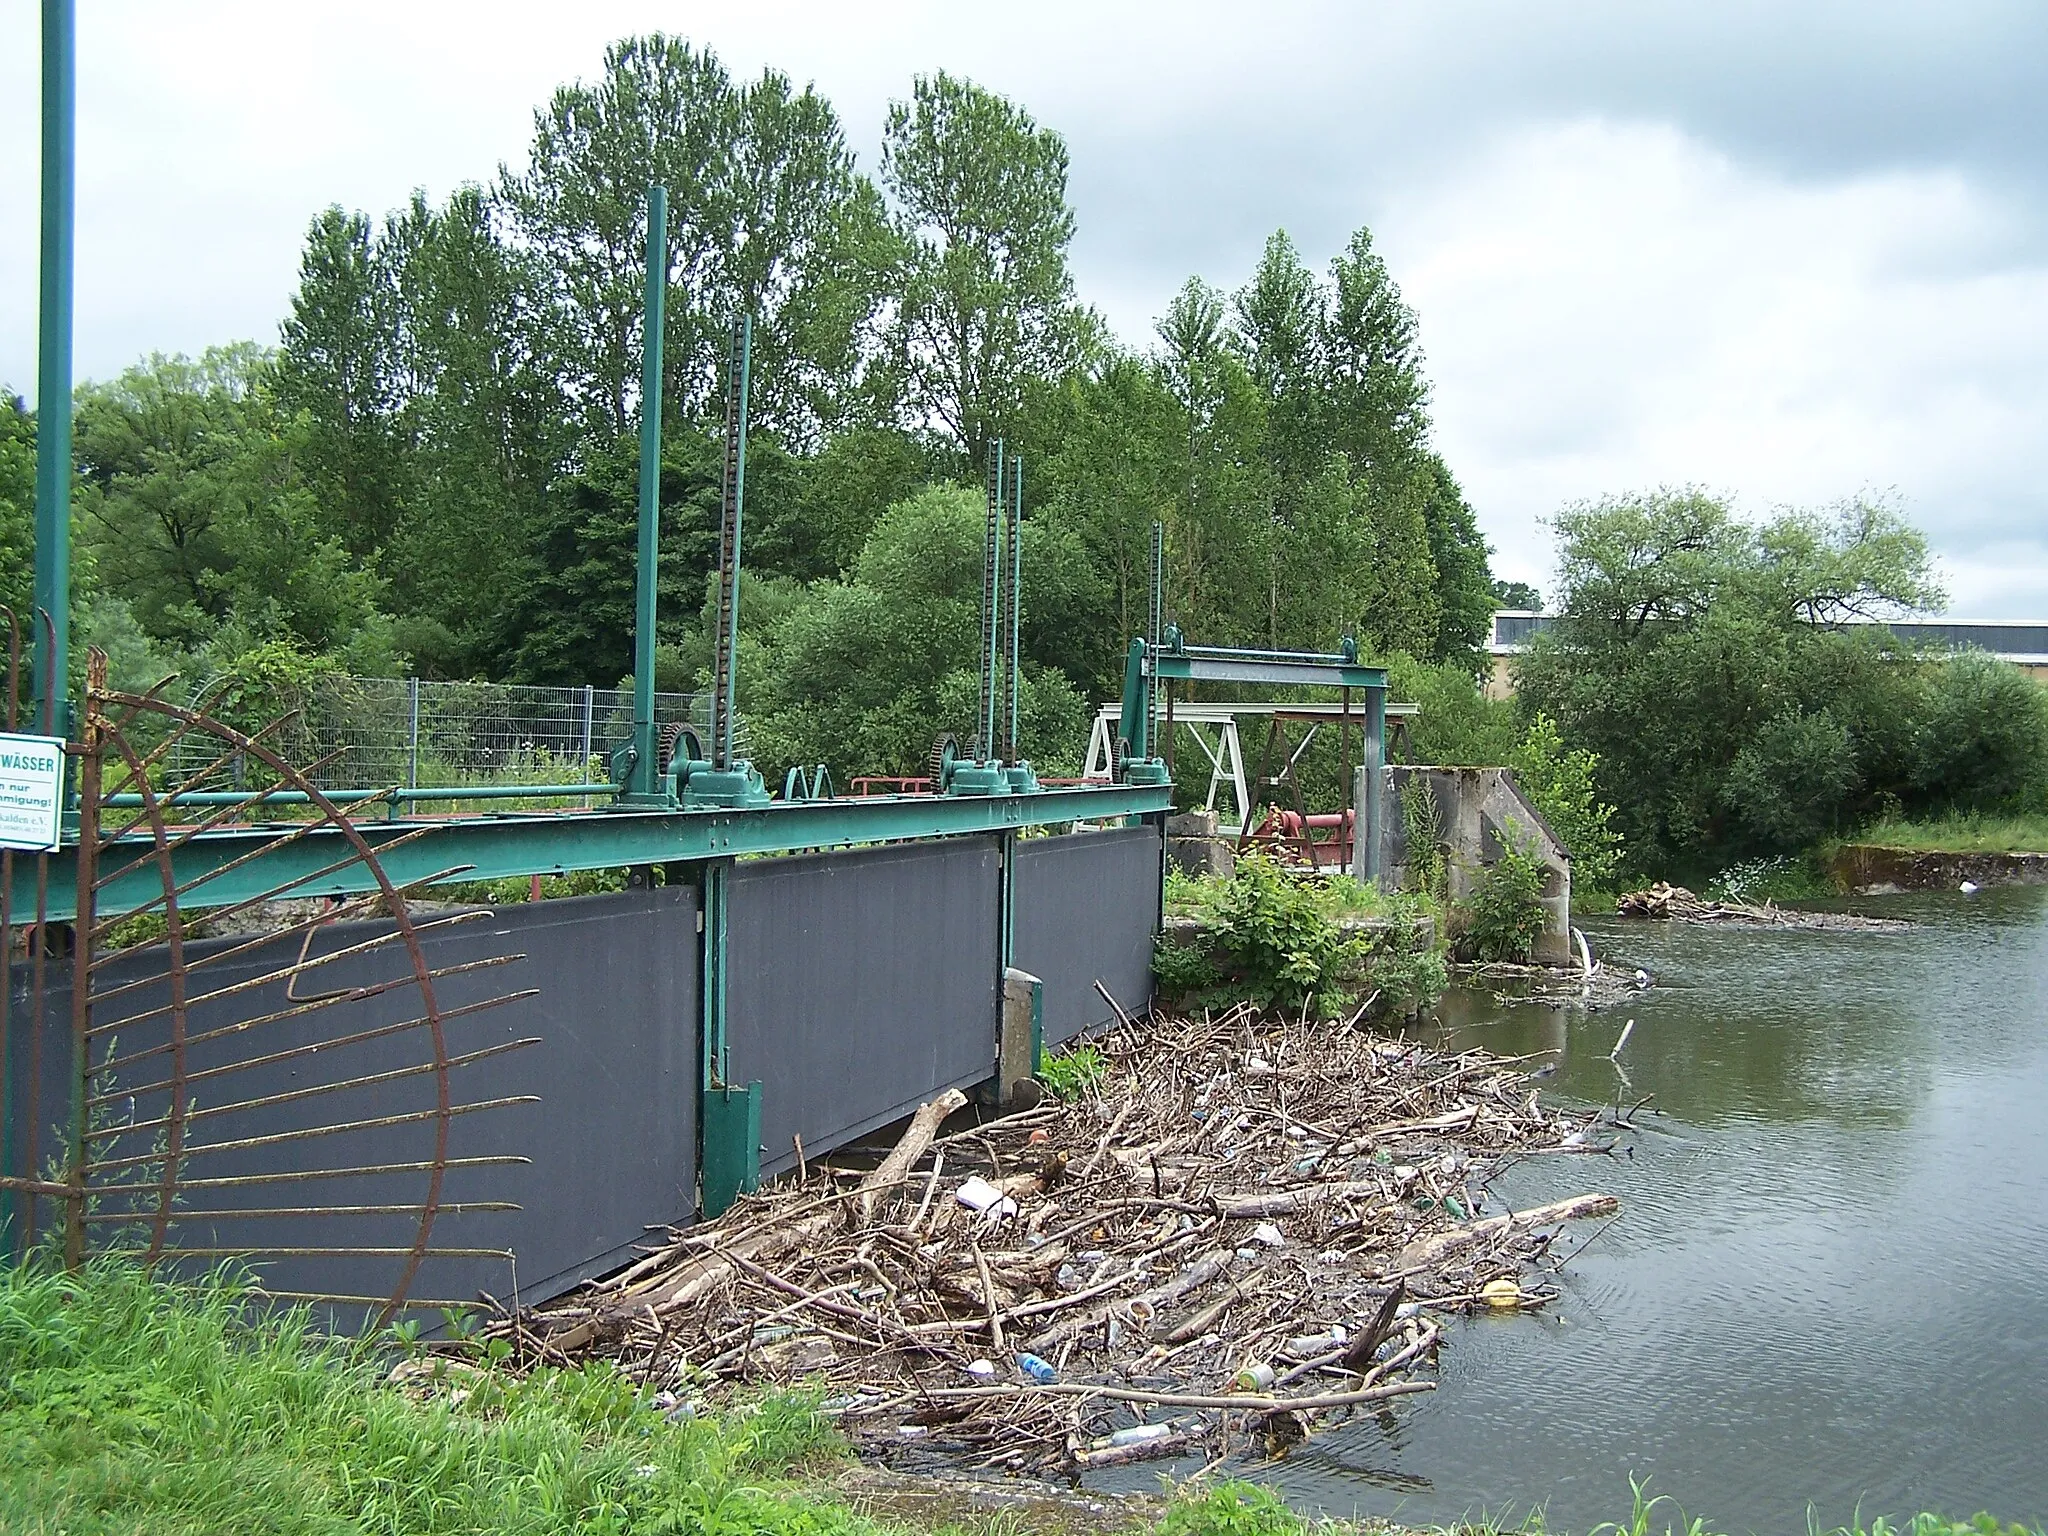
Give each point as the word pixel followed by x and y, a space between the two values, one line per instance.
pixel 1961 834
pixel 1072 1071
pixel 129 1405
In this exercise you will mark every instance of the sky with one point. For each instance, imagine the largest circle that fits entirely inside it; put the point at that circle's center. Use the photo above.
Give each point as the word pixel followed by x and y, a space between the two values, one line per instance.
pixel 1793 253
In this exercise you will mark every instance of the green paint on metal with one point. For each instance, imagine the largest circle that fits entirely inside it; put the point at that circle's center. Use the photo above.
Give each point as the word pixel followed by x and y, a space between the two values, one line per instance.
pixel 1013 660
pixel 53 369
pixel 643 783
pixel 732 528
pixel 523 843
pixel 731 1139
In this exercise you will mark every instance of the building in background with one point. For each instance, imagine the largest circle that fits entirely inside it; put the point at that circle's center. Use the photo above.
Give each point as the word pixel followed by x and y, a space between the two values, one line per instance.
pixel 2023 642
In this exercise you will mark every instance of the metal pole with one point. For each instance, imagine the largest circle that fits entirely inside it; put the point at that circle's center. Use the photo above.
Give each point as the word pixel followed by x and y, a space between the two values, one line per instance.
pixel 725 663
pixel 412 733
pixel 53 373
pixel 1365 852
pixel 1016 593
pixel 589 708
pixel 991 599
pixel 645 777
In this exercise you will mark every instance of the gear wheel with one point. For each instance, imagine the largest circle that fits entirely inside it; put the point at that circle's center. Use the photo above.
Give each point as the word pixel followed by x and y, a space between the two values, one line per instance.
pixel 671 734
pixel 945 753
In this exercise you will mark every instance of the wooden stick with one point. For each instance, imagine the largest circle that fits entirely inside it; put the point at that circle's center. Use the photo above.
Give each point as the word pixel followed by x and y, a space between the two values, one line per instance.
pixel 917 1136
pixel 1246 1401
pixel 988 1299
pixel 1437 1246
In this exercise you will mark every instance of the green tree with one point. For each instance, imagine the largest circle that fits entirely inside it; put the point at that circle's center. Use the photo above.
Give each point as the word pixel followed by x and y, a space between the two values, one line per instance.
pixel 198 513
pixel 1712 666
pixel 985 299
pixel 17 506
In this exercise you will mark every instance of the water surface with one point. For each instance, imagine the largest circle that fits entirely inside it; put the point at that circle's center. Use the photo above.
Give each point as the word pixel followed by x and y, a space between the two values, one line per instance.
pixel 1829 1284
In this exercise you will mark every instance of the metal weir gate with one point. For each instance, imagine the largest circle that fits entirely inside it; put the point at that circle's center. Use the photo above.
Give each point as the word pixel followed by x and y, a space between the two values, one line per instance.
pixel 385 1103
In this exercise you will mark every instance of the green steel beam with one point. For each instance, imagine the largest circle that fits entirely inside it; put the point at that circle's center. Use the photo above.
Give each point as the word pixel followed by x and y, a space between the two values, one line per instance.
pixel 526 843
pixel 53 370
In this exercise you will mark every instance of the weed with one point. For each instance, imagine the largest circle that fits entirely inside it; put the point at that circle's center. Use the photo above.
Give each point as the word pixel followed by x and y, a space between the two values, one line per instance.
pixel 1073 1071
pixel 1504 915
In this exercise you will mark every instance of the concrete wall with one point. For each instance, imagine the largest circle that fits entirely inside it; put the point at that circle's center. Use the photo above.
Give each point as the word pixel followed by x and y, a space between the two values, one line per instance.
pixel 1479 811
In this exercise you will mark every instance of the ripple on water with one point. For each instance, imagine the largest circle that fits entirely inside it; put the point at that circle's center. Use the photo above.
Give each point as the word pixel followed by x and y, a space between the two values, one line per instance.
pixel 1830 1281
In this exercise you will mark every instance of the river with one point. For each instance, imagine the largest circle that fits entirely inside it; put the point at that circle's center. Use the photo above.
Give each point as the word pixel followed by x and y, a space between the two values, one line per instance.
pixel 1829 1284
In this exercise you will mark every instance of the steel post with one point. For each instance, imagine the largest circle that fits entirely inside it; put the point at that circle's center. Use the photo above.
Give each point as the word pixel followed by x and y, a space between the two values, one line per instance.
pixel 412 733
pixel 1016 536
pixel 645 780
pixel 53 371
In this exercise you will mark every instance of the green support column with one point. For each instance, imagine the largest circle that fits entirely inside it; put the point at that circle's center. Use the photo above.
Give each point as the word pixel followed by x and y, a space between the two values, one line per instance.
pixel 53 373
pixel 644 783
pixel 728 1115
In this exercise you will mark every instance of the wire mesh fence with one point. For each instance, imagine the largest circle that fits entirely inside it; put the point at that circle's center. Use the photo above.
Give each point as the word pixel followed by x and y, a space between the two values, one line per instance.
pixel 375 732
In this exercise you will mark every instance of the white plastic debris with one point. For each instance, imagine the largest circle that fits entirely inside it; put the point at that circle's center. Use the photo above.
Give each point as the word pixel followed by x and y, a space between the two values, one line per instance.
pixel 977 1194
pixel 1265 1232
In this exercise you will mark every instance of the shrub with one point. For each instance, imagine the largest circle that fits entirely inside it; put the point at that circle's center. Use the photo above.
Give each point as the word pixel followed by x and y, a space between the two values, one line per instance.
pixel 1788 784
pixel 1276 937
pixel 1073 1071
pixel 1504 915
pixel 1560 783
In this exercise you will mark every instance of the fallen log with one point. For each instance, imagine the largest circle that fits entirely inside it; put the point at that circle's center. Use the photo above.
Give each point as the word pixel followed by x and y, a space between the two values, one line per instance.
pixel 1438 1246
pixel 916 1140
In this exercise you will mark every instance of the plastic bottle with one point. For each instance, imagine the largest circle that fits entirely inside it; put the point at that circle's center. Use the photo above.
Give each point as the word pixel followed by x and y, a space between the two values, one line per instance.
pixel 1257 1376
pixel 1040 1371
pixel 1138 1434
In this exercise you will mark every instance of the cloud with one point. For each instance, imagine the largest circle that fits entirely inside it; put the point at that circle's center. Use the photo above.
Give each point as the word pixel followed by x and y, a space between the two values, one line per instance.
pixel 1794 253
pixel 1608 306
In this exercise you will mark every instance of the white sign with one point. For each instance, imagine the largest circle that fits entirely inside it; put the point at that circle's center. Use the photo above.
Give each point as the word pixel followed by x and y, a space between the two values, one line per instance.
pixel 31 791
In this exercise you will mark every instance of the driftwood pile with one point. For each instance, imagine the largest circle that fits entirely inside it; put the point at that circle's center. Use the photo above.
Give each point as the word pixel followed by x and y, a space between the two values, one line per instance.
pixel 1675 902
pixel 1239 1228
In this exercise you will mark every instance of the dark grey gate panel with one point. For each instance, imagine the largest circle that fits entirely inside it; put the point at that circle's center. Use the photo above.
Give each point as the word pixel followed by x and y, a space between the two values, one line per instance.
pixel 610 1144
pixel 861 984
pixel 1087 908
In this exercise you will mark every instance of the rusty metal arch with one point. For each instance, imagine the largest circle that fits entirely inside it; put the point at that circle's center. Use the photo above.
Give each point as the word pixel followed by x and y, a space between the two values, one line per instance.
pixel 111 1196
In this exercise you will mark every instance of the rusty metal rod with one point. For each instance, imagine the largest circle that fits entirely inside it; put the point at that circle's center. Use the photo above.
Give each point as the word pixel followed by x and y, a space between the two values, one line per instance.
pixel 295 1095
pixel 311 1048
pixel 368 1170
pixel 189 1217
pixel 308 1133
pixel 297 968
pixel 378 989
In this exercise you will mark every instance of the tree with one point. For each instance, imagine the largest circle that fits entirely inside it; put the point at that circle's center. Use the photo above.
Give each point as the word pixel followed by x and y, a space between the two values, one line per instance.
pixel 1711 665
pixel 198 511
pixel 17 508
pixel 766 216
pixel 1517 595
pixel 985 300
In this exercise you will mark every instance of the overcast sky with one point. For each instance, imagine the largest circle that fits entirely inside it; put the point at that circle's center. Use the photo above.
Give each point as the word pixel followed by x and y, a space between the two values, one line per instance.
pixel 1791 252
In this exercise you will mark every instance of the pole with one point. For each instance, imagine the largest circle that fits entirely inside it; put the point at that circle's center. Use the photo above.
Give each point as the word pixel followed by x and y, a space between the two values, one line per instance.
pixel 732 519
pixel 645 778
pixel 1016 591
pixel 53 373
pixel 583 771
pixel 412 733
pixel 1369 810
pixel 991 599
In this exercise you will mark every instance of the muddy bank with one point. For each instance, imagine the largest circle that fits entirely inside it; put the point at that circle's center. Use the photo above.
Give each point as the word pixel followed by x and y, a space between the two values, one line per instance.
pixel 1868 870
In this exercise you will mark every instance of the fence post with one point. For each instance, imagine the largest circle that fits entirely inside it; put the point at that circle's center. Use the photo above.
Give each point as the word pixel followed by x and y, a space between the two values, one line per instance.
pixel 412 733
pixel 583 773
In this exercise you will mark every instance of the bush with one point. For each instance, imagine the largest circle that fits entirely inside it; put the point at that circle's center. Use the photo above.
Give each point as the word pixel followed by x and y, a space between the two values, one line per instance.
pixel 1983 742
pixel 1787 785
pixel 1276 937
pixel 1504 915
pixel 1560 784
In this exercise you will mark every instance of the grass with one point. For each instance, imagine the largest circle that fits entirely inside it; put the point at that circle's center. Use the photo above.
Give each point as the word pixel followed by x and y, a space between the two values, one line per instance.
pixel 127 1405
pixel 1961 834
pixel 130 1405
pixel 1072 1071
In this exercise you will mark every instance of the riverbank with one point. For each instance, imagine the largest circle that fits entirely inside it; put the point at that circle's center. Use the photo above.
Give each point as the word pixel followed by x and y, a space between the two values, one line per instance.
pixel 1868 869
pixel 127 1404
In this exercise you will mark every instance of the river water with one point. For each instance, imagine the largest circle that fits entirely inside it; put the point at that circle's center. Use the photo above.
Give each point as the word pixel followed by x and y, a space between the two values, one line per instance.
pixel 1828 1288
